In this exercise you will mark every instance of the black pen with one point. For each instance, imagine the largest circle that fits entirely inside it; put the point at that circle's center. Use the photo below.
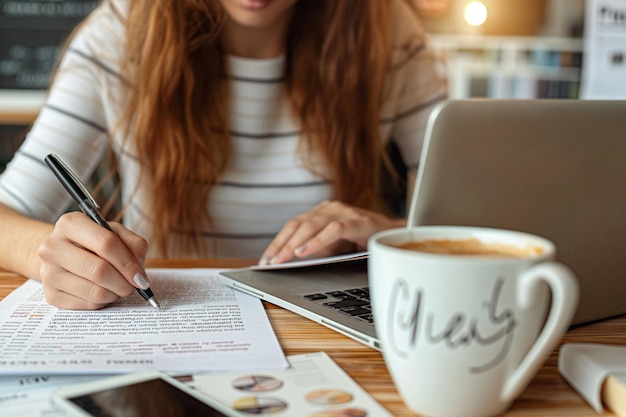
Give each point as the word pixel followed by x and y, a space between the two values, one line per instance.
pixel 88 205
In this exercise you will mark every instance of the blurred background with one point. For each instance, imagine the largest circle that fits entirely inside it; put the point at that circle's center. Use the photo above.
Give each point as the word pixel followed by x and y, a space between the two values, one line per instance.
pixel 507 48
pixel 487 48
pixel 560 18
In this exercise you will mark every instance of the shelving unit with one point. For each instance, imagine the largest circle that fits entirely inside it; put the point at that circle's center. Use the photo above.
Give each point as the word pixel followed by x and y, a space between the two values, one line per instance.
pixel 509 67
pixel 474 66
pixel 20 106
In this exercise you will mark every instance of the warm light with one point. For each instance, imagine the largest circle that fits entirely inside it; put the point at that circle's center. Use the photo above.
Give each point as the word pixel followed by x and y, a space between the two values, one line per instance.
pixel 432 8
pixel 475 13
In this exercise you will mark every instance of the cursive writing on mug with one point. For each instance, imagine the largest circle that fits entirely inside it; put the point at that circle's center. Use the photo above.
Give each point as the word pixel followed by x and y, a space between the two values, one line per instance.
pixel 409 323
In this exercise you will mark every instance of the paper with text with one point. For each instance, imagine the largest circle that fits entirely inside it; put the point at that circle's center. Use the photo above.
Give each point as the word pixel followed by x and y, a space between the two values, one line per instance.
pixel 604 60
pixel 314 385
pixel 203 327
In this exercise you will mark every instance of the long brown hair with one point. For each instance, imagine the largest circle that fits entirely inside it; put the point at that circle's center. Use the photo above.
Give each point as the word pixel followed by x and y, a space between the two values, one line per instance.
pixel 177 108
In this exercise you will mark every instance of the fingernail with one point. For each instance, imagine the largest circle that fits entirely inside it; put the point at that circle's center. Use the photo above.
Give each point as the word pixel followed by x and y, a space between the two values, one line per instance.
pixel 301 249
pixel 141 281
pixel 142 262
pixel 264 260
pixel 274 260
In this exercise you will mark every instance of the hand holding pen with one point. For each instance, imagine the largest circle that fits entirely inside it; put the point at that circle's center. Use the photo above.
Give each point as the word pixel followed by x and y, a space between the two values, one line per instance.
pixel 90 263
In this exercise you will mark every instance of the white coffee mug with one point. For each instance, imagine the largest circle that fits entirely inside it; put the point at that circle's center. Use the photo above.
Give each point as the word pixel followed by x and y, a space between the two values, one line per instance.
pixel 463 335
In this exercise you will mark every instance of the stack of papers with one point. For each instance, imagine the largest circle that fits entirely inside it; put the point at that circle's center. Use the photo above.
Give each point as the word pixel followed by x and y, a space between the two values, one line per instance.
pixel 203 327
pixel 216 339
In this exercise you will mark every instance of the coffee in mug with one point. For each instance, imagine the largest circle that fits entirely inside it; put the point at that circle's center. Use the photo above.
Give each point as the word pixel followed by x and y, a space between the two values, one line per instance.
pixel 466 316
pixel 470 247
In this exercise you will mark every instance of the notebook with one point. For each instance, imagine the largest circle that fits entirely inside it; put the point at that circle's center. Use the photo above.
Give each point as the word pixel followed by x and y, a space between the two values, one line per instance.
pixel 556 168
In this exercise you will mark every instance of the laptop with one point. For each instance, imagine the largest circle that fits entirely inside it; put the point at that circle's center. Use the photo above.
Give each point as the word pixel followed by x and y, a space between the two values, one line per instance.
pixel 555 168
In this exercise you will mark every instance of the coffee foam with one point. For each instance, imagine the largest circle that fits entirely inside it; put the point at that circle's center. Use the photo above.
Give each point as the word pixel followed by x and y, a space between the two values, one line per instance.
pixel 471 247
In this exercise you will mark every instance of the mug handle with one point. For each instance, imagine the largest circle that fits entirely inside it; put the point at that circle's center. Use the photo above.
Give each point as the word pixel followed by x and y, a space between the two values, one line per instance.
pixel 564 288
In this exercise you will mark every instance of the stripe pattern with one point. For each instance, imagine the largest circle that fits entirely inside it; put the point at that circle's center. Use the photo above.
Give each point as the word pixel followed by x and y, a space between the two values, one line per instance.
pixel 265 183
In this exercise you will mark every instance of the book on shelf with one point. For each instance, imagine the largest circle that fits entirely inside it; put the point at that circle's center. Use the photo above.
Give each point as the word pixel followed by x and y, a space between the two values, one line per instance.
pixel 510 67
pixel 520 86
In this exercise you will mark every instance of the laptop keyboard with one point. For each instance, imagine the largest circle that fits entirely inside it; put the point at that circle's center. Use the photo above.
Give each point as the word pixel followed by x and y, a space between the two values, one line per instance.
pixel 353 302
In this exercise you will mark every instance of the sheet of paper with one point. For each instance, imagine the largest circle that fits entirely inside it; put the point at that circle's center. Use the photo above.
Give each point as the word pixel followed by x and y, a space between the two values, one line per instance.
pixel 313 386
pixel 204 327
pixel 303 263
pixel 30 395
pixel 604 60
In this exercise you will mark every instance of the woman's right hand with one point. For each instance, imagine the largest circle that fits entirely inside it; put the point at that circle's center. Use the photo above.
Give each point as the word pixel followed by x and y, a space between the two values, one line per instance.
pixel 83 266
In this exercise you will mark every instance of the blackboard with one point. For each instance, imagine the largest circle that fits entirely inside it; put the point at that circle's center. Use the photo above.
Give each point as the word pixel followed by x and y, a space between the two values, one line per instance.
pixel 32 33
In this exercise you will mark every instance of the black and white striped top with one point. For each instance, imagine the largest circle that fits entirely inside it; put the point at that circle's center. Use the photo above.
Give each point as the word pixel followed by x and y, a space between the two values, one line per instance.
pixel 265 183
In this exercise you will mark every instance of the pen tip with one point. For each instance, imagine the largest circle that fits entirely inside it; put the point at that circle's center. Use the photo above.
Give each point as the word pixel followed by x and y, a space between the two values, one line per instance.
pixel 154 303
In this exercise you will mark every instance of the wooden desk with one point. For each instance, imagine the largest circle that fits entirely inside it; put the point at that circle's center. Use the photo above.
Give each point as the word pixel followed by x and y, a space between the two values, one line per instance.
pixel 547 395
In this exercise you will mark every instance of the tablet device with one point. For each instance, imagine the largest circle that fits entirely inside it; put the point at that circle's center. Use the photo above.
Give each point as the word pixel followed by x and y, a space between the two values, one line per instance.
pixel 146 394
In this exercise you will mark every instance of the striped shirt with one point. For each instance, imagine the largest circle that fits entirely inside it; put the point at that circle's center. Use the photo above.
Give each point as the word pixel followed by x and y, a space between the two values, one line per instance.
pixel 265 182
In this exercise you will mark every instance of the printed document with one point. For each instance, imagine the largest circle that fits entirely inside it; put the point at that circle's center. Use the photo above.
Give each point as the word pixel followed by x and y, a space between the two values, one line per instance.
pixel 604 65
pixel 313 385
pixel 204 327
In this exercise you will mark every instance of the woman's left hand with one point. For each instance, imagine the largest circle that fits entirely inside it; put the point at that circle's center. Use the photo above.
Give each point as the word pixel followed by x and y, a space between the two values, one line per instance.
pixel 328 229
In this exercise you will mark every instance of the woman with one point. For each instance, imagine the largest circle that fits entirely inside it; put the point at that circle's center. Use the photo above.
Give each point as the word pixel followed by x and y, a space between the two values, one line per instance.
pixel 225 119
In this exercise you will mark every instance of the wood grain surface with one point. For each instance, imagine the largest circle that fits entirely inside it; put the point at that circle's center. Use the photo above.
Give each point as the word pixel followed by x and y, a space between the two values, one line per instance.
pixel 547 395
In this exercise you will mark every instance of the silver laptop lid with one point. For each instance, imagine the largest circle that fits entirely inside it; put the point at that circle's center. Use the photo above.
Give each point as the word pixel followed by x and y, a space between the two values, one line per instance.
pixel 556 168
